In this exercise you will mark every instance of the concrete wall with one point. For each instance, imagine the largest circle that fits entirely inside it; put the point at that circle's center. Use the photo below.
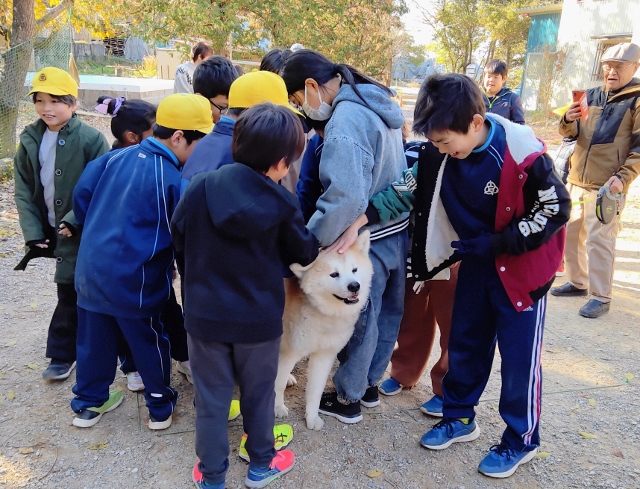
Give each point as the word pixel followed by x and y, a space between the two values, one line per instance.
pixel 582 20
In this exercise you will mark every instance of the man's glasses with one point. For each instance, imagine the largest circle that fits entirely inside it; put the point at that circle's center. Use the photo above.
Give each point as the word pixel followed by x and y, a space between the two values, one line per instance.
pixel 618 67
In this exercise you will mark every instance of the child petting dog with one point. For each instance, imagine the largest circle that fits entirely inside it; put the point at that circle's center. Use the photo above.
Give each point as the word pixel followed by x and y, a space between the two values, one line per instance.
pixel 495 203
pixel 235 230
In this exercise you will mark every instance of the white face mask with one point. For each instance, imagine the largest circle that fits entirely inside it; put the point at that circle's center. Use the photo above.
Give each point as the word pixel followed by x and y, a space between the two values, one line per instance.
pixel 322 113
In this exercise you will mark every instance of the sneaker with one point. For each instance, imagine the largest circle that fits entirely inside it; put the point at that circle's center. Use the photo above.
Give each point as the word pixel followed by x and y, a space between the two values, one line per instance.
pixel 449 431
pixel 433 407
pixel 282 463
pixel 502 461
pixel 370 398
pixel 58 370
pixel 198 479
pixel 234 410
pixel 134 382
pixel 560 272
pixel 90 416
pixel 154 424
pixel 390 387
pixel 185 369
pixel 346 413
pixel 282 433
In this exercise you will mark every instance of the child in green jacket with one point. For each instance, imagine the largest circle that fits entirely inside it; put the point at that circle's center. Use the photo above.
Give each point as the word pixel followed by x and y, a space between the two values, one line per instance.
pixel 52 154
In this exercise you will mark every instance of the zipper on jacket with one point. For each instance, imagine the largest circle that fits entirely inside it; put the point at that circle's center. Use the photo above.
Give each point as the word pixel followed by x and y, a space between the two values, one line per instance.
pixel 584 168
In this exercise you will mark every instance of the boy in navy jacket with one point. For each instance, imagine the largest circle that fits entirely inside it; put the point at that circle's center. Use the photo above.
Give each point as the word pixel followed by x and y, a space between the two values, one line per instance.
pixel 234 231
pixel 494 202
pixel 499 99
pixel 125 201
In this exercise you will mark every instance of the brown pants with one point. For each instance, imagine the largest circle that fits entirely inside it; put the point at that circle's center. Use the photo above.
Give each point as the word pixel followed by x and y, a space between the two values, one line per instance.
pixel 434 304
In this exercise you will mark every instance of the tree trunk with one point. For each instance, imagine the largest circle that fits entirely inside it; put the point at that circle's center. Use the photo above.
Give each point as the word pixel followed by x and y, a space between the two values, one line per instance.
pixel 14 71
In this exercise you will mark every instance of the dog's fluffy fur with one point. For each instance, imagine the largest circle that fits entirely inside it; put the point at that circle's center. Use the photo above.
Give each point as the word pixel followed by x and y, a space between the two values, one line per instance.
pixel 321 310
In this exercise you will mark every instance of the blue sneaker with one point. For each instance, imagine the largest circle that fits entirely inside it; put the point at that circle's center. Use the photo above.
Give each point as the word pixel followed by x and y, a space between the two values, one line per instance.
pixel 282 463
pixel 433 407
pixel 502 461
pixel 390 387
pixel 449 431
pixel 198 479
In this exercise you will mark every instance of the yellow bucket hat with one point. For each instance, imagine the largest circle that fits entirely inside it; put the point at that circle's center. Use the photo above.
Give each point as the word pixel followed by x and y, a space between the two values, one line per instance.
pixel 54 81
pixel 185 112
pixel 258 87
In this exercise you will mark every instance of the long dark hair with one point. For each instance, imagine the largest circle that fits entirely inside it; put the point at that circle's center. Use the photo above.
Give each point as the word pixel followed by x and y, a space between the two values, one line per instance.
pixel 307 63
pixel 132 115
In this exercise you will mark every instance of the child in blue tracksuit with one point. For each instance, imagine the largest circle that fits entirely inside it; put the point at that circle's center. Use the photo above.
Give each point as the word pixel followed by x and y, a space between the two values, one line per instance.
pixel 234 231
pixel 494 202
pixel 125 201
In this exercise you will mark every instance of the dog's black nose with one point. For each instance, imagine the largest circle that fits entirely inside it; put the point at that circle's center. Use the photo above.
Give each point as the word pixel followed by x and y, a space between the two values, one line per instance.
pixel 353 287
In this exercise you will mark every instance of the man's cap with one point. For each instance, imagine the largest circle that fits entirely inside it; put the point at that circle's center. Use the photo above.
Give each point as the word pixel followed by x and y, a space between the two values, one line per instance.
pixel 258 87
pixel 626 51
pixel 54 81
pixel 185 112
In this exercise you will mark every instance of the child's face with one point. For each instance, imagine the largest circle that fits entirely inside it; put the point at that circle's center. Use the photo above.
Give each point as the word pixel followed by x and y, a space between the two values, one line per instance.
pixel 493 83
pixel 52 111
pixel 219 104
pixel 459 145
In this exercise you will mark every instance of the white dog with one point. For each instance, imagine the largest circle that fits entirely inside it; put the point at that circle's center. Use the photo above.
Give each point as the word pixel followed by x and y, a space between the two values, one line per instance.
pixel 320 314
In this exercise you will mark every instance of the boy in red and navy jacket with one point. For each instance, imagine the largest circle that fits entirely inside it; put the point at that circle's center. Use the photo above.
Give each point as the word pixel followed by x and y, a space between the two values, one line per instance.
pixel 495 203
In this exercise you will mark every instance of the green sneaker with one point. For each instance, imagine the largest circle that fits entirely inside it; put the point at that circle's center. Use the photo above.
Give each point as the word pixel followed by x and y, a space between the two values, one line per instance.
pixel 283 434
pixel 90 416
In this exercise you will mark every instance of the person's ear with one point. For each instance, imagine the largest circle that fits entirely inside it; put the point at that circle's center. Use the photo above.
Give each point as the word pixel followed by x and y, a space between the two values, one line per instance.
pixel 477 122
pixel 176 138
pixel 311 83
pixel 131 137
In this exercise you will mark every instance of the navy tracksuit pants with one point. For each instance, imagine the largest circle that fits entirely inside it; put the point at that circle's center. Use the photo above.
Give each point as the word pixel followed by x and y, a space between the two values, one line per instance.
pixel 483 316
pixel 97 355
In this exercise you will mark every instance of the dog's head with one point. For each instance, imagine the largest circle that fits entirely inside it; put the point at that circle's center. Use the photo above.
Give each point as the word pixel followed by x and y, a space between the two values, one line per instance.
pixel 337 281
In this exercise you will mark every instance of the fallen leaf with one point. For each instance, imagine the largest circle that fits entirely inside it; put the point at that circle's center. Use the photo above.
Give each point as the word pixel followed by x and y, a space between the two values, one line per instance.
pixel 98 446
pixel 628 376
pixel 373 473
pixel 584 434
pixel 575 406
pixel 543 455
pixel 34 305
pixel 25 450
pixel 618 453
pixel 2 374
pixel 592 402
pixel 11 395
pixel 33 366
pixel 11 343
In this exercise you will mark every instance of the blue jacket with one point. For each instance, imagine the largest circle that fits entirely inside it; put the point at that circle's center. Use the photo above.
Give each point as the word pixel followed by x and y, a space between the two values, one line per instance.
pixel 212 152
pixel 234 231
pixel 309 189
pixel 506 104
pixel 362 155
pixel 125 201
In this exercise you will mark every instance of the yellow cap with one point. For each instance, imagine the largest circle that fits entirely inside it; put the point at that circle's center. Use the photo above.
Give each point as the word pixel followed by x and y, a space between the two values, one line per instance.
pixel 185 112
pixel 258 87
pixel 54 81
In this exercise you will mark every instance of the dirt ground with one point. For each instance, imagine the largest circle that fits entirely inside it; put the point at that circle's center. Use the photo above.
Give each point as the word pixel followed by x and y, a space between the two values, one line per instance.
pixel 589 423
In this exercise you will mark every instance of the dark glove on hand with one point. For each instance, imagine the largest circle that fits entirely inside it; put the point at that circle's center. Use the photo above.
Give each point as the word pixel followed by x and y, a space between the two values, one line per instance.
pixel 482 246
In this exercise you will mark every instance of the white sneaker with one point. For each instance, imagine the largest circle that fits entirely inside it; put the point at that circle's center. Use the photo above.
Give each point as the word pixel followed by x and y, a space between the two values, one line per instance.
pixel 134 382
pixel 160 425
pixel 185 369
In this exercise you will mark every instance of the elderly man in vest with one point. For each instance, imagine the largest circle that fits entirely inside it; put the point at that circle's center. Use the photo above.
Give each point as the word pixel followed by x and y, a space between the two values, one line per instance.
pixel 607 153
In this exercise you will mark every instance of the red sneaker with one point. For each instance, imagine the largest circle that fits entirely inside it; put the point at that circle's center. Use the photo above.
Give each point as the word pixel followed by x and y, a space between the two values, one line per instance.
pixel 560 271
pixel 282 463
pixel 198 480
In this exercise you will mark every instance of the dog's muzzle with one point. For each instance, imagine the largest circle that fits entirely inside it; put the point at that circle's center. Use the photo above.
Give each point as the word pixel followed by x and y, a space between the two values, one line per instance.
pixel 352 299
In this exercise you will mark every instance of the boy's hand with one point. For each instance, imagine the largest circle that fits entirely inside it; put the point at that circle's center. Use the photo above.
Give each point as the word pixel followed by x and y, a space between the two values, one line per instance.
pixel 38 243
pixel 479 247
pixel 347 238
pixel 64 230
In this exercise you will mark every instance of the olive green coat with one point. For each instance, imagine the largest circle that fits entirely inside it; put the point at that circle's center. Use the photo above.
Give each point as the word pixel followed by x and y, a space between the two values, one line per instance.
pixel 78 144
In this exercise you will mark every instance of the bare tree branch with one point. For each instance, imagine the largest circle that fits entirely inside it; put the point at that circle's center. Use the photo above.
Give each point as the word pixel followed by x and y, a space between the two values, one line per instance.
pixel 53 13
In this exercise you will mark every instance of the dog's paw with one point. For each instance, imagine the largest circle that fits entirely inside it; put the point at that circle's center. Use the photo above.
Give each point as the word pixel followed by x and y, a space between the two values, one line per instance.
pixel 314 423
pixel 291 380
pixel 282 411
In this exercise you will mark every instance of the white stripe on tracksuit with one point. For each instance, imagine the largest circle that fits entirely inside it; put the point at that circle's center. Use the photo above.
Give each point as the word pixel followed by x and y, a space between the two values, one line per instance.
pixel 535 377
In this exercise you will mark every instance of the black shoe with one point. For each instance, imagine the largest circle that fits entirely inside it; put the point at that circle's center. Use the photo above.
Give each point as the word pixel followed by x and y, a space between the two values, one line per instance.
pixel 58 370
pixel 568 290
pixel 347 413
pixel 370 398
pixel 594 309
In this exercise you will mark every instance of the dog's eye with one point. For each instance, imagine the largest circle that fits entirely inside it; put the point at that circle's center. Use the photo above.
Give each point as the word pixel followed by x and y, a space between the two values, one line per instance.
pixel 354 270
pixel 334 275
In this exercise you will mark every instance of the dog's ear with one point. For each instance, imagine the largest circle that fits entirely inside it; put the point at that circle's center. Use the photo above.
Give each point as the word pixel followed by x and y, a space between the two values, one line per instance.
pixel 362 243
pixel 298 269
